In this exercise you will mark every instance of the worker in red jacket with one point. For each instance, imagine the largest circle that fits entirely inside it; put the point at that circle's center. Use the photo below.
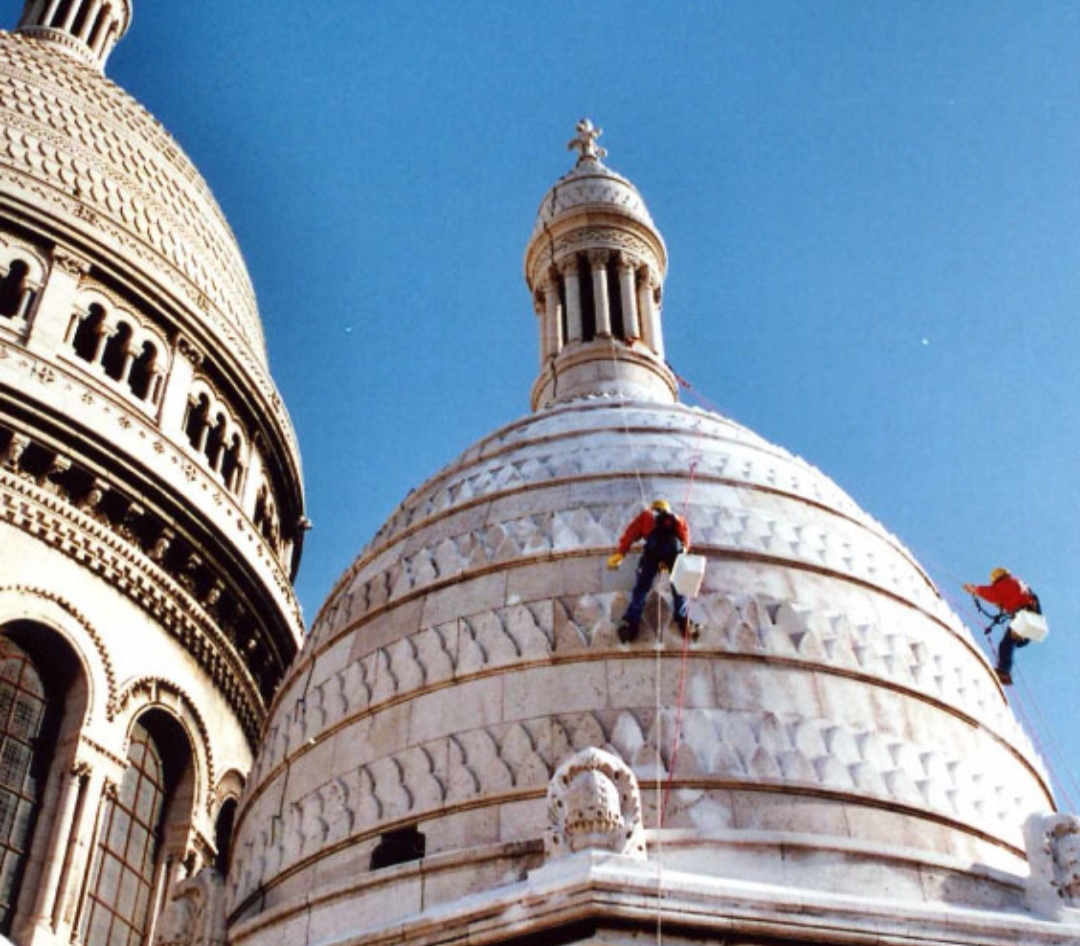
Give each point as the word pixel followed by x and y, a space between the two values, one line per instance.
pixel 666 536
pixel 1010 594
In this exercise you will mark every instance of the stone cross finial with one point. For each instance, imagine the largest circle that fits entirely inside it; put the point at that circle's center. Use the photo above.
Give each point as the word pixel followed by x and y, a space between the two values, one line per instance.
pixel 584 142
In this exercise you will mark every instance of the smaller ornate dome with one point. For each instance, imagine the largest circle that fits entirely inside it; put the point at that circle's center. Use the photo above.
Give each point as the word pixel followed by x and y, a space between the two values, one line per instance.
pixel 590 184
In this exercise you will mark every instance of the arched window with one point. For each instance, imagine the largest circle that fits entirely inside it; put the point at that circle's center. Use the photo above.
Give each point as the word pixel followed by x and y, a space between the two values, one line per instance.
pixel 197 421
pixel 141 373
pixel 127 876
pixel 87 334
pixel 223 831
pixel 23 710
pixel 36 672
pixel 11 289
pixel 115 356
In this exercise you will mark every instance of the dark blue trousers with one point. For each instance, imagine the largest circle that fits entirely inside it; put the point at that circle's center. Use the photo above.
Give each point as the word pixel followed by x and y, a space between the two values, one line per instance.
pixel 647 568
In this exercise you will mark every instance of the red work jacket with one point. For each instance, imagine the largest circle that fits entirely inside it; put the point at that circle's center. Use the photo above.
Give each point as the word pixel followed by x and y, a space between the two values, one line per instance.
pixel 1008 593
pixel 642 527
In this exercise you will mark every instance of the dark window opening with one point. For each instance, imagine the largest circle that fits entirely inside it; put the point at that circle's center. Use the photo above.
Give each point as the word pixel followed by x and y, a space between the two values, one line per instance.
pixel 216 441
pixel 230 464
pixel 398 847
pixel 141 375
pixel 562 311
pixel 223 831
pixel 588 300
pixel 115 354
pixel 86 335
pixel 61 13
pixel 197 420
pixel 11 288
pixel 80 19
pixel 615 309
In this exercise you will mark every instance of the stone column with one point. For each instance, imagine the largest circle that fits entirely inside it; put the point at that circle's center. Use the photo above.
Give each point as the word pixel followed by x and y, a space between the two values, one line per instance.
pixel 628 295
pixel 50 12
pixel 70 18
pixel 571 280
pixel 49 885
pixel 650 322
pixel 89 21
pixel 538 308
pixel 598 264
pixel 78 859
pixel 185 358
pixel 53 315
pixel 553 340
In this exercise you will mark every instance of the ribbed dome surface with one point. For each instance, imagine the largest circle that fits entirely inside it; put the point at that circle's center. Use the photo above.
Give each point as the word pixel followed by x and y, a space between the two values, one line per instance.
pixel 82 149
pixel 834 712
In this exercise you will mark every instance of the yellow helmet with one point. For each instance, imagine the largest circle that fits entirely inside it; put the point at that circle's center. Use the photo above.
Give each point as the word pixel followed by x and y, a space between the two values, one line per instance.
pixel 998 573
pixel 662 505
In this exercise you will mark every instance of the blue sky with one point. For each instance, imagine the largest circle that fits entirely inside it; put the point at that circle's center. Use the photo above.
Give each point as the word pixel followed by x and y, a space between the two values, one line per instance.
pixel 872 211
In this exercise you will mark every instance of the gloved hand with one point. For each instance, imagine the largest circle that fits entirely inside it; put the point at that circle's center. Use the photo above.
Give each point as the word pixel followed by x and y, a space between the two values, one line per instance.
pixel 614 560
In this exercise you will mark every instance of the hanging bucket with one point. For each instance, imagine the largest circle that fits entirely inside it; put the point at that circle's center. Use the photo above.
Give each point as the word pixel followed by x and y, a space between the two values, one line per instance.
pixel 688 573
pixel 1029 625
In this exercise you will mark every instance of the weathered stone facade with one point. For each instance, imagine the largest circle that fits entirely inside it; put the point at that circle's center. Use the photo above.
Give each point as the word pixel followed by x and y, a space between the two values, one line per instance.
pixel 150 499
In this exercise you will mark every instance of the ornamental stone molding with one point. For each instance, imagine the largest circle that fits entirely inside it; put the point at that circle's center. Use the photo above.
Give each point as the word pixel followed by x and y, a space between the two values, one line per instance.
pixel 594 803
pixel 155 691
pixel 129 570
pixel 195 914
pixel 1053 845
pixel 32 603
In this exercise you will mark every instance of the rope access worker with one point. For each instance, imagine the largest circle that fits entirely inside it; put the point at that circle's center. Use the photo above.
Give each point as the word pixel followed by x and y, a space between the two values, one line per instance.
pixel 666 537
pixel 1010 594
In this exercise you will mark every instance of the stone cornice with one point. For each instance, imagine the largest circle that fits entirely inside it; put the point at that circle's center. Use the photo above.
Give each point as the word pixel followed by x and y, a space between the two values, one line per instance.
pixel 137 436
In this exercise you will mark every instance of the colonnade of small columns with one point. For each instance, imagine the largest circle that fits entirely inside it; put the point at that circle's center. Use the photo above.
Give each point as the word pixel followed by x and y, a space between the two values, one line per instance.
pixel 94 23
pixel 561 302
pixel 133 347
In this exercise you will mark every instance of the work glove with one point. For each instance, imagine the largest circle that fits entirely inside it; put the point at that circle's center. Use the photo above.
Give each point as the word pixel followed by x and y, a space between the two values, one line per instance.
pixel 614 560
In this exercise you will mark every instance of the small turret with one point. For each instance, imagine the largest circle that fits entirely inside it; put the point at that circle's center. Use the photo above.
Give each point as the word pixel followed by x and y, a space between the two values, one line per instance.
pixel 595 265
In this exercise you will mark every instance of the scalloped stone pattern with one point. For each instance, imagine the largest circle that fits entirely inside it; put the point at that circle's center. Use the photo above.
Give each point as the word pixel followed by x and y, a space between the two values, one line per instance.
pixel 74 142
pixel 832 695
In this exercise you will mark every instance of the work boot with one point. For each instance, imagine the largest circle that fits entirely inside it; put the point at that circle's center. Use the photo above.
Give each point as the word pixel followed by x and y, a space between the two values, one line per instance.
pixel 627 631
pixel 1004 676
pixel 688 628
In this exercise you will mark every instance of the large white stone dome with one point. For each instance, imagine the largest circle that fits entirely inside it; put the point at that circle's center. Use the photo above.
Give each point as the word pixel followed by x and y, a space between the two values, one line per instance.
pixel 832 733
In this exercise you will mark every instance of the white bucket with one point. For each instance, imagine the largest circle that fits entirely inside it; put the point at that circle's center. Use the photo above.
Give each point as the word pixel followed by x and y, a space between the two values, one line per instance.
pixel 688 573
pixel 1029 625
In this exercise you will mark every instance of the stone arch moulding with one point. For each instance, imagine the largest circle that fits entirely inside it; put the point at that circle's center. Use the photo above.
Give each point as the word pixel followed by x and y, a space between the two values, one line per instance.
pixel 229 786
pixel 22 603
pixel 12 251
pixel 146 693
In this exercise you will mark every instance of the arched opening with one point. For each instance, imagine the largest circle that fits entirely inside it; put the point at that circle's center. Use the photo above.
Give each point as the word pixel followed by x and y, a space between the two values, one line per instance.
pixel 230 463
pixel 11 288
pixel 216 441
pixel 588 299
pixel 197 420
pixel 115 356
pixel 141 371
pixel 88 332
pixel 152 803
pixel 223 831
pixel 37 670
